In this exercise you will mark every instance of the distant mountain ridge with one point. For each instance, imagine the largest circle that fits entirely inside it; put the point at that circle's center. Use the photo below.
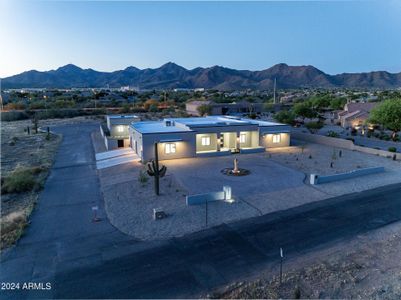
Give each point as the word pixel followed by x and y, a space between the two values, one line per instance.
pixel 171 75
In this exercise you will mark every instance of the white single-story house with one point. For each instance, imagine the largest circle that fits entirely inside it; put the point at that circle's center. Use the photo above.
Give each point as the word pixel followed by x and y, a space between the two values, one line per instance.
pixel 115 131
pixel 207 136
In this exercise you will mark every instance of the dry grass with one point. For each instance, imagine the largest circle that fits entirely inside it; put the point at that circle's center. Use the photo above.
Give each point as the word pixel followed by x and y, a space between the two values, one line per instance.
pixel 14 223
pixel 25 163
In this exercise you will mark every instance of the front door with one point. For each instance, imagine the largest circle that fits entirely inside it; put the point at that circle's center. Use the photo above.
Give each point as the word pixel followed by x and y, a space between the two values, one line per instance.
pixel 120 143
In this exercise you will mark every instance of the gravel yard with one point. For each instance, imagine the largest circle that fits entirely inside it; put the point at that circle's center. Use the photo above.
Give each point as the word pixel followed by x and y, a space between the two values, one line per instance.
pixel 130 203
pixel 316 159
pixel 278 181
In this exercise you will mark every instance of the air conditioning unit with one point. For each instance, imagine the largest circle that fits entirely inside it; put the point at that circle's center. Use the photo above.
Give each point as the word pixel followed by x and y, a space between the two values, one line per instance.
pixel 158 214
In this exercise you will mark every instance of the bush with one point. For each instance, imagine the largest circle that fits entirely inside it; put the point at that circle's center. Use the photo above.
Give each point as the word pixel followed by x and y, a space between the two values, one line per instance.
pixel 314 126
pixel 142 178
pixel 284 116
pixel 333 134
pixel 22 180
pixel 392 149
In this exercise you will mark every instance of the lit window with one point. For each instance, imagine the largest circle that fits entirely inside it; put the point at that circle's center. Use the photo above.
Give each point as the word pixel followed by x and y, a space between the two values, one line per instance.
pixel 120 128
pixel 169 148
pixel 276 138
pixel 242 138
pixel 205 141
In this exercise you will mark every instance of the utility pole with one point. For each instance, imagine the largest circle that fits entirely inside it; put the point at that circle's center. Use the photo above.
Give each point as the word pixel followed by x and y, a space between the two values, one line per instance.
pixel 1 97
pixel 274 91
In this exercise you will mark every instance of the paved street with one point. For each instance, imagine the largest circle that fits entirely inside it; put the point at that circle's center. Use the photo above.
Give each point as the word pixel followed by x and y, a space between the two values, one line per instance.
pixel 82 259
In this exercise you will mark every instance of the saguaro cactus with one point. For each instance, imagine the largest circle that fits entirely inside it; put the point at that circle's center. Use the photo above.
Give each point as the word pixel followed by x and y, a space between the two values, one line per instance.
pixel 153 170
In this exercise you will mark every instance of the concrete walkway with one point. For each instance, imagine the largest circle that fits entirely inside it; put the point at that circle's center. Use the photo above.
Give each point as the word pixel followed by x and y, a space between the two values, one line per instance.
pixel 115 157
pixel 113 153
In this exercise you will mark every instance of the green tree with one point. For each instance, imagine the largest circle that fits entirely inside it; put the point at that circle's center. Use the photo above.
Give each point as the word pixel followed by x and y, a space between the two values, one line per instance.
pixel 204 109
pixel 388 114
pixel 268 106
pixel 319 102
pixel 285 116
pixel 337 103
pixel 304 110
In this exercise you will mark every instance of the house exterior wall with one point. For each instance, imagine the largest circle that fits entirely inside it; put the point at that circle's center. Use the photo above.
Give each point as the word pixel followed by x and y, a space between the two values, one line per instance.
pixel 251 139
pixel 188 143
pixel 213 142
pixel 115 133
pixel 229 139
pixel 114 123
pixel 267 140
pixel 185 148
pixel 266 136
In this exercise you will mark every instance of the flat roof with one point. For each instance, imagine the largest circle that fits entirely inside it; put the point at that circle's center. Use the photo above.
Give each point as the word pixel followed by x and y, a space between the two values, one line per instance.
pixel 187 124
pixel 121 116
pixel 157 127
pixel 212 121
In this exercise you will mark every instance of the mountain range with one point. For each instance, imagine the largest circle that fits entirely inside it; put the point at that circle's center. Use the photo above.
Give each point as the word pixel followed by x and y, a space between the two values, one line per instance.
pixel 171 75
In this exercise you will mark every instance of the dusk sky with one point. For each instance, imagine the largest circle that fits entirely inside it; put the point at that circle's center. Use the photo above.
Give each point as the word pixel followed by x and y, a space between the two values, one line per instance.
pixel 334 36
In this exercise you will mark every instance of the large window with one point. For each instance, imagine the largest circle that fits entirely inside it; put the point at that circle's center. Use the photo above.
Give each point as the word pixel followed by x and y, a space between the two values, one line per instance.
pixel 120 128
pixel 205 141
pixel 276 138
pixel 242 138
pixel 169 148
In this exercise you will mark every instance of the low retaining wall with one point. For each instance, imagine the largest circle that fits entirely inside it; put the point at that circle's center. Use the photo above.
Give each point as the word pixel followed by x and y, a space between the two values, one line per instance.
pixel 202 198
pixel 253 150
pixel 341 143
pixel 211 154
pixel 224 195
pixel 317 179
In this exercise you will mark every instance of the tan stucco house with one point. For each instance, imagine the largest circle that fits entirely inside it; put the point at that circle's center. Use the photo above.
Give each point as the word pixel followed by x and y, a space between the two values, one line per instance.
pixel 355 114
pixel 207 136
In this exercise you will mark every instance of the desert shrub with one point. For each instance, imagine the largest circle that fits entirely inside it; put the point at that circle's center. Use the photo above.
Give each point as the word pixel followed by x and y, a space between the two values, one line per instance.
pixel 22 180
pixel 14 115
pixel 385 137
pixel 142 178
pixel 314 126
pixel 392 149
pixel 333 134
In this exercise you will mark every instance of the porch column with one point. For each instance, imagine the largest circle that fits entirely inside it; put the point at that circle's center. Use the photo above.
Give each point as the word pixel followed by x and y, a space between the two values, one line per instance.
pixel 218 141
pixel 237 143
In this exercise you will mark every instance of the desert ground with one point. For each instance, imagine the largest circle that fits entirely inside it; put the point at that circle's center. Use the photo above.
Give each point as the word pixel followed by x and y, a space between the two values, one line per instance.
pixel 368 267
pixel 26 160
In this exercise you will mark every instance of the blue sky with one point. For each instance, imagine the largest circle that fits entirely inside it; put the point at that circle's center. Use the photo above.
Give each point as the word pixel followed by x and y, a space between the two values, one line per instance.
pixel 334 36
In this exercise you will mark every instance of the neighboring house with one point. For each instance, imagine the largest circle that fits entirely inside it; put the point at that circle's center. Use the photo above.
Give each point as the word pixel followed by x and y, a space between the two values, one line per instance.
pixel 355 114
pixel 207 136
pixel 115 131
pixel 224 108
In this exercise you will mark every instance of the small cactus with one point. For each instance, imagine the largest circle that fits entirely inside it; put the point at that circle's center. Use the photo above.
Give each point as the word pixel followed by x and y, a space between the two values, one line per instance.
pixel 155 171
